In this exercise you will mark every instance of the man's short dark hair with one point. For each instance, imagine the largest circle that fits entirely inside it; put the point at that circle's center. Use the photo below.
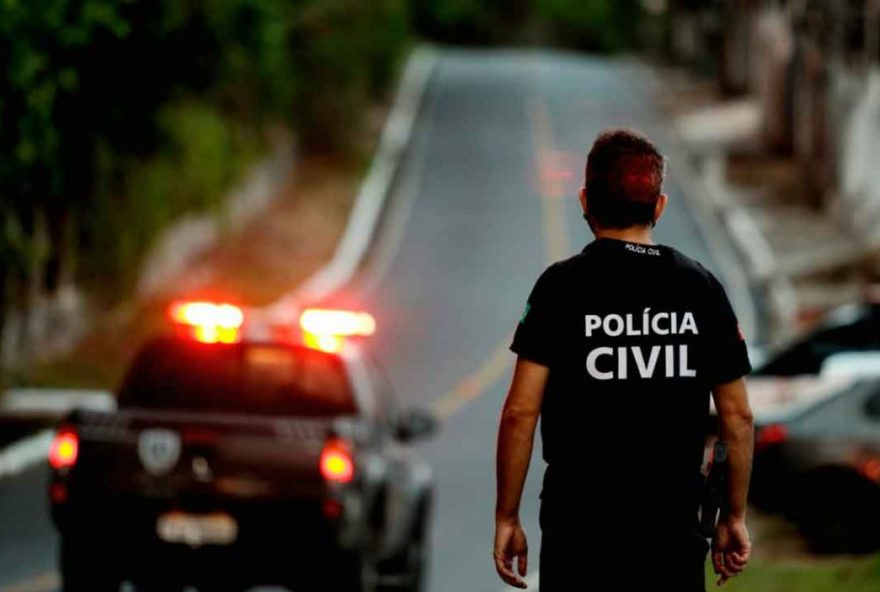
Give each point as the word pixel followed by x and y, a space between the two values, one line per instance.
pixel 624 179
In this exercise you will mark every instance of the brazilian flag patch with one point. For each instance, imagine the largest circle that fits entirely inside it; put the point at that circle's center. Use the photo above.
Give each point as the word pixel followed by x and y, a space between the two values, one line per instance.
pixel 525 312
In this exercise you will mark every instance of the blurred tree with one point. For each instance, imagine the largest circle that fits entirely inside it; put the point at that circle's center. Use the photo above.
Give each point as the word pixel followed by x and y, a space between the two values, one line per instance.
pixel 469 21
pixel 346 53
pixel 117 116
pixel 43 152
pixel 592 24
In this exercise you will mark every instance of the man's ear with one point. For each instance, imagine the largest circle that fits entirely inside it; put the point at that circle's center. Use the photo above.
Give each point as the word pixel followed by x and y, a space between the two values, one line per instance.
pixel 582 197
pixel 660 206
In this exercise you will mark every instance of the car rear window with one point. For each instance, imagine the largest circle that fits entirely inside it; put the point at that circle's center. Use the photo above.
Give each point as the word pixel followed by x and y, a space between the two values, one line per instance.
pixel 253 379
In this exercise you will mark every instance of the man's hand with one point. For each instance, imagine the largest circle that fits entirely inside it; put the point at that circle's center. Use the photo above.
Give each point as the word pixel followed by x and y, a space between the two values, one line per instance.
pixel 510 542
pixel 731 548
pixel 516 432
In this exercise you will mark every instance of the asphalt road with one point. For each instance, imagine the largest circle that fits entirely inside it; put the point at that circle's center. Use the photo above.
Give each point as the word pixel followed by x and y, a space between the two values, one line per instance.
pixel 486 198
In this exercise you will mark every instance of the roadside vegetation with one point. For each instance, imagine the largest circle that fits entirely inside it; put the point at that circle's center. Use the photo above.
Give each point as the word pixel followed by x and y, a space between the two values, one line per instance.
pixel 809 575
pixel 117 117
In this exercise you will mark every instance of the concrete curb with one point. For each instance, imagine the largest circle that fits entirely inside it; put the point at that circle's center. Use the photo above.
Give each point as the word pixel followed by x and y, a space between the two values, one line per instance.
pixel 759 263
pixel 25 453
pixel 721 243
pixel 53 404
pixel 44 405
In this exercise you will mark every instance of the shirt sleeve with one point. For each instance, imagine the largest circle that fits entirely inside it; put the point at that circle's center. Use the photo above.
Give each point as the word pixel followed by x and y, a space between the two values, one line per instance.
pixel 727 353
pixel 534 334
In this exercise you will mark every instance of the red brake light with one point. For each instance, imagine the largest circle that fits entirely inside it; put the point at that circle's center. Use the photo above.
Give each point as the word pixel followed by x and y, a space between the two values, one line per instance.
pixel 208 322
pixel 775 433
pixel 326 329
pixel 333 508
pixel 64 449
pixel 336 462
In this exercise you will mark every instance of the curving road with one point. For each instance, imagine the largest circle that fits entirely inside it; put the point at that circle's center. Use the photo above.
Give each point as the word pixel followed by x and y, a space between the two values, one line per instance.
pixel 485 199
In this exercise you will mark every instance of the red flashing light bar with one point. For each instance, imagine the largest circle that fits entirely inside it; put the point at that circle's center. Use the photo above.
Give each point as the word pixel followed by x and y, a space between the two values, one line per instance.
pixel 326 329
pixel 209 322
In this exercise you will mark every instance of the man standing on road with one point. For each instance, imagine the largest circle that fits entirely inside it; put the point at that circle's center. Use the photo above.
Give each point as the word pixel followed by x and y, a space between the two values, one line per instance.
pixel 619 348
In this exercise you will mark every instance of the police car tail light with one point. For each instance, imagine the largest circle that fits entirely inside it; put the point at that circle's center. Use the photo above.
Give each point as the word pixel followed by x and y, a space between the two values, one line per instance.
pixel 326 329
pixel 775 433
pixel 337 465
pixel 208 322
pixel 64 449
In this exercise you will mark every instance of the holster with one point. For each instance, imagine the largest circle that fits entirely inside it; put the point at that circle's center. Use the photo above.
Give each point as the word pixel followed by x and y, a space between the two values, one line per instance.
pixel 714 499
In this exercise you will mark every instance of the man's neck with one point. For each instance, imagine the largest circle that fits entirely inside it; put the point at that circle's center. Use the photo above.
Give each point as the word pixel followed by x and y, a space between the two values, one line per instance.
pixel 635 234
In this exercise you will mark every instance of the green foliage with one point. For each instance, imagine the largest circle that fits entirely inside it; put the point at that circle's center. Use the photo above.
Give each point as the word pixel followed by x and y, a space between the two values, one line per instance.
pixel 460 19
pixel 860 574
pixel 203 153
pixel 592 24
pixel 118 116
pixel 346 54
pixel 467 21
pixel 42 49
pixel 603 25
pixel 386 33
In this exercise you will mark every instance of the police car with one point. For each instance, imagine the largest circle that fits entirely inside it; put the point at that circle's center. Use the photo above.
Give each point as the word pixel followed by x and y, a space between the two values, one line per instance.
pixel 245 454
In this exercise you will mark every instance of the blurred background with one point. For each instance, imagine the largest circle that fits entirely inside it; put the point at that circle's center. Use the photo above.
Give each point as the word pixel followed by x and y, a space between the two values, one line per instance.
pixel 154 150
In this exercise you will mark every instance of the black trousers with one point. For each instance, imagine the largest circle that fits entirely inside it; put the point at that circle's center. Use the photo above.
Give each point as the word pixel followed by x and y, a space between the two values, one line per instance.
pixel 584 551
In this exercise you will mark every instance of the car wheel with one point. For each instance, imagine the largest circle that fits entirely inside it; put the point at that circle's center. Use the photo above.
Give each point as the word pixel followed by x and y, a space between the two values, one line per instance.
pixel 407 571
pixel 158 586
pixel 341 571
pixel 82 571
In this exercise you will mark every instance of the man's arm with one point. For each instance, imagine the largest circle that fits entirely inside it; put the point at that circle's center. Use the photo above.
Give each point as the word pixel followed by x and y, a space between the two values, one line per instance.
pixel 736 426
pixel 535 342
pixel 731 547
pixel 516 434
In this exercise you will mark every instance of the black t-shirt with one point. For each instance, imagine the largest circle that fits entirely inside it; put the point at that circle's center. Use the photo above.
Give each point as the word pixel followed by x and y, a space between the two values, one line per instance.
pixel 635 337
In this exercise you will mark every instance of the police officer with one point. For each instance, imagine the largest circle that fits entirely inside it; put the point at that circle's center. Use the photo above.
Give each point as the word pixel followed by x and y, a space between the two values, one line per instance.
pixel 619 348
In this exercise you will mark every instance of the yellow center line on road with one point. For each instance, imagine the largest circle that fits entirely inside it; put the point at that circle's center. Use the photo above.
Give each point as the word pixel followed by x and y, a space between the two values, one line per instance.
pixel 44 582
pixel 550 175
pixel 476 383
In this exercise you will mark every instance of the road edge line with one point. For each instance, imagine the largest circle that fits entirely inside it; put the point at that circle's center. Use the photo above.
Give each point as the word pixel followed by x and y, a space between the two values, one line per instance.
pixel 24 453
pixel 722 245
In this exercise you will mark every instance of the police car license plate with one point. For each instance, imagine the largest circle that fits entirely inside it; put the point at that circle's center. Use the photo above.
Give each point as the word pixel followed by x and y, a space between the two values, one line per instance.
pixel 196 530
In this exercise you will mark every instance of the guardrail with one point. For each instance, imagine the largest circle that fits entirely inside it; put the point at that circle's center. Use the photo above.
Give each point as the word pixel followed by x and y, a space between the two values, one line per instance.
pixel 52 404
